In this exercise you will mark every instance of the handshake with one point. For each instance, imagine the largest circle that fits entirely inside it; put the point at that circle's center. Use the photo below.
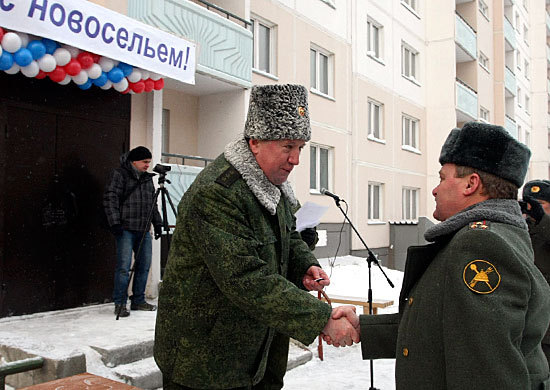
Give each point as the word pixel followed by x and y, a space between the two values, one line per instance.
pixel 343 327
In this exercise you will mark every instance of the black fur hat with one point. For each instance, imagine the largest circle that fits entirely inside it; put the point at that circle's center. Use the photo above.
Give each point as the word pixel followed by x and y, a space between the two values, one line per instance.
pixel 278 112
pixel 488 148
pixel 139 153
pixel 538 189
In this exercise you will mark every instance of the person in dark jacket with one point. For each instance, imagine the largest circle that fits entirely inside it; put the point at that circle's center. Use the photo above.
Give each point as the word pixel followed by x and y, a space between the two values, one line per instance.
pixel 536 195
pixel 473 307
pixel 128 199
pixel 233 291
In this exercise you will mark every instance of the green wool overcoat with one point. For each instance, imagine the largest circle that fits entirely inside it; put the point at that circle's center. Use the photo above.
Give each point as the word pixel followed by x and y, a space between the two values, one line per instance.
pixel 473 310
pixel 232 285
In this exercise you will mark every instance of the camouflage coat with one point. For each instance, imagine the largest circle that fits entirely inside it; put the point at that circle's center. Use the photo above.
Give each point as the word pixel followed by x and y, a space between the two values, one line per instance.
pixel 473 307
pixel 232 281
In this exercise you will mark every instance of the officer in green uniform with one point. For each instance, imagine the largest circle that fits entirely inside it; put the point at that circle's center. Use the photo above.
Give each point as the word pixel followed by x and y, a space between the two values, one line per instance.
pixel 536 197
pixel 473 307
pixel 233 289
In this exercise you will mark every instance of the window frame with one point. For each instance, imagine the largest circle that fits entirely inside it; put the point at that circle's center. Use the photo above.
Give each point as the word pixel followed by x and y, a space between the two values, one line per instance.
pixel 256 22
pixel 374 25
pixel 483 9
pixel 405 205
pixel 330 71
pixel 370 121
pixel 482 118
pixel 370 202
pixel 411 120
pixel 413 60
pixel 318 167
pixel 411 5
pixel 483 61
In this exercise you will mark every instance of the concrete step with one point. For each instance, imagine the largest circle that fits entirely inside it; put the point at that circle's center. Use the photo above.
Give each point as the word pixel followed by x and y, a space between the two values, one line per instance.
pixel 143 374
pixel 298 354
pixel 116 354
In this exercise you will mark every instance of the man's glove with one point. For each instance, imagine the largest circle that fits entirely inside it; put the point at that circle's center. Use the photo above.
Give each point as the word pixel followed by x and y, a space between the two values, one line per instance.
pixel 309 236
pixel 116 229
pixel 158 231
pixel 536 211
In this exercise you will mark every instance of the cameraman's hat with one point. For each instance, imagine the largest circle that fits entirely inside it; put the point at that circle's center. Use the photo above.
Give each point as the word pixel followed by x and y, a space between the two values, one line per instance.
pixel 139 153
pixel 488 148
pixel 538 189
pixel 278 112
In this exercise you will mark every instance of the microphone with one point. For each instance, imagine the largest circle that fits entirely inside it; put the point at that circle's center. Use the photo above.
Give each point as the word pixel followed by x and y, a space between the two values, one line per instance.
pixel 327 193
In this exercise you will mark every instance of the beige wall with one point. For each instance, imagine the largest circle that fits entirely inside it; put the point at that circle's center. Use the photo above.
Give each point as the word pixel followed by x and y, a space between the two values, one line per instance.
pixel 184 126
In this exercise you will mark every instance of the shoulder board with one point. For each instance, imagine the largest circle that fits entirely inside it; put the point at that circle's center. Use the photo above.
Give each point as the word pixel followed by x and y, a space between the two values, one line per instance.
pixel 480 225
pixel 228 177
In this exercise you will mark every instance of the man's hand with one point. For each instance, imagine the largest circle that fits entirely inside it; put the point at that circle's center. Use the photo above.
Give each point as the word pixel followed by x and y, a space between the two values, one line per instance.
pixel 344 312
pixel 158 231
pixel 340 332
pixel 311 279
pixel 309 236
pixel 534 208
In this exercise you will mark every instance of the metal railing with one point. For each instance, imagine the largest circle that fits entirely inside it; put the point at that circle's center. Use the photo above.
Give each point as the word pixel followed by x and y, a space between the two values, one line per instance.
pixel 17 367
pixel 185 157
pixel 227 14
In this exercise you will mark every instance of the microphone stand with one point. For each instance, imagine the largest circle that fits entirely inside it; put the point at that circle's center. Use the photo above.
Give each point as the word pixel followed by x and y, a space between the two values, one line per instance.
pixel 371 258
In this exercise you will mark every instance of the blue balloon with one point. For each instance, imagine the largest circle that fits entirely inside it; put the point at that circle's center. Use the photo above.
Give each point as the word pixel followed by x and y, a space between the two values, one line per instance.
pixel 50 45
pixel 86 85
pixel 126 68
pixel 37 49
pixel 22 57
pixel 101 80
pixel 6 60
pixel 115 75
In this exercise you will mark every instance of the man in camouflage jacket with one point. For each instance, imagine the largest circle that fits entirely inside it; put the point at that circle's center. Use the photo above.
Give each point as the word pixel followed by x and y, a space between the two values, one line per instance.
pixel 232 292
pixel 536 195
pixel 473 307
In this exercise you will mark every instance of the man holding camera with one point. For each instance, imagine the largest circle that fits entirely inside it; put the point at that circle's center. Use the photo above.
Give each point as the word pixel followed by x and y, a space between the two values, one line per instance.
pixel 536 206
pixel 128 200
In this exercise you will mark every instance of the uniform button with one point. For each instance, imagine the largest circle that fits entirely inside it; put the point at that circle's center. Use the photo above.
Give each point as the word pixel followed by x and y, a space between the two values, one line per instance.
pixel 410 301
pixel 405 352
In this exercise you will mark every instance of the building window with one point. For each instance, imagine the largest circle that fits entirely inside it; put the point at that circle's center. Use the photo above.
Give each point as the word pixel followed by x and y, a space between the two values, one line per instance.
pixel 412 4
pixel 483 8
pixel 526 69
pixel 519 97
pixel 527 104
pixel 410 132
pixel 483 61
pixel 409 59
pixel 375 202
pixel 264 45
pixel 526 34
pixel 410 204
pixel 330 3
pixel 525 5
pixel 374 39
pixel 518 60
pixel 483 114
pixel 321 68
pixel 518 24
pixel 527 138
pixel 320 163
pixel 376 125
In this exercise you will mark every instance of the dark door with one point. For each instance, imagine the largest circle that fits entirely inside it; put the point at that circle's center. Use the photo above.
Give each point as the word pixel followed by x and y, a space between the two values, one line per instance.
pixel 59 145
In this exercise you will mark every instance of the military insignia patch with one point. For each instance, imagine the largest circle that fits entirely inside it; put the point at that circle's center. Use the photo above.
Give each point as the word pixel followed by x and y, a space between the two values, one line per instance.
pixel 479 225
pixel 301 111
pixel 481 277
pixel 535 189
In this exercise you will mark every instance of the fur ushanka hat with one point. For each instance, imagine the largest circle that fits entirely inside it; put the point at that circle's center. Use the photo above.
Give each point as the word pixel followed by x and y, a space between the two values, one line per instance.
pixel 488 148
pixel 278 112
pixel 538 189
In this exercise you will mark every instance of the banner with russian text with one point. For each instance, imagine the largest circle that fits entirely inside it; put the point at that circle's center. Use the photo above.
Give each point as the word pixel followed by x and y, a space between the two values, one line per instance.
pixel 91 27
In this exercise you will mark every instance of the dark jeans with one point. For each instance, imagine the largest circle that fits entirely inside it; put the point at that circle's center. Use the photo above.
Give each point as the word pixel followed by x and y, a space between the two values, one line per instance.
pixel 126 243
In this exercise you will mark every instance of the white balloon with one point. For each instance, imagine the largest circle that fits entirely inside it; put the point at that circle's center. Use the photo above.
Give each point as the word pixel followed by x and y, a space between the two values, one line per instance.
pixel 145 74
pixel 30 70
pixel 106 64
pixel 81 78
pixel 73 50
pixel 14 69
pixel 107 85
pixel 11 42
pixel 154 76
pixel 1 50
pixel 65 81
pixel 94 71
pixel 121 86
pixel 135 76
pixel 47 63
pixel 24 39
pixel 62 56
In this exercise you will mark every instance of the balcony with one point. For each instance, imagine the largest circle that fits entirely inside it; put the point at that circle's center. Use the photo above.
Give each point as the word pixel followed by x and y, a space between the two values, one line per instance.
pixel 510 126
pixel 224 47
pixel 510 83
pixel 465 39
pixel 509 35
pixel 466 102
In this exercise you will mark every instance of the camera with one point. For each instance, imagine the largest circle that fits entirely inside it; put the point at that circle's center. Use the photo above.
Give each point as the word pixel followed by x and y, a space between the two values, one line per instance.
pixel 161 169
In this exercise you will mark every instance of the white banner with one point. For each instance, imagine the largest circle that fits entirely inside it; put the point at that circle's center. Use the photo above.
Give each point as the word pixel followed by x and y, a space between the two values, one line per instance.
pixel 99 30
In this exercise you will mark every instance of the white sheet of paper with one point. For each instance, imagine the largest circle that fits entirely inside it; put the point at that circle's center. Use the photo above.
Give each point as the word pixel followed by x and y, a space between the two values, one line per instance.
pixel 309 215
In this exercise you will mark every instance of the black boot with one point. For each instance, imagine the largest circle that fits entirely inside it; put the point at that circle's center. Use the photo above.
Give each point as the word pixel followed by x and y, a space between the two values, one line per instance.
pixel 121 311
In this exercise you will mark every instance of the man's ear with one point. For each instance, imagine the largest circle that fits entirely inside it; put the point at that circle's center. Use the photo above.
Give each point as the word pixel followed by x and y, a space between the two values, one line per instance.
pixel 253 144
pixel 473 184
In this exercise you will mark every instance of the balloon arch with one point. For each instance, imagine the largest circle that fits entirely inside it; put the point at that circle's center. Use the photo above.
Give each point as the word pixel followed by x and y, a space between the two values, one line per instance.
pixel 42 57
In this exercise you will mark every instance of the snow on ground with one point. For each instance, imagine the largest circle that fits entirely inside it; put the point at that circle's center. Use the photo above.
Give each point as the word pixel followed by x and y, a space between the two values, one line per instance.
pixel 343 368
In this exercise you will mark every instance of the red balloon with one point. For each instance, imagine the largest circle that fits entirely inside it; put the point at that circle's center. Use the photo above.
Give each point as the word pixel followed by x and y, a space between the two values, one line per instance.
pixel 58 74
pixel 73 67
pixel 138 87
pixel 41 74
pixel 1 33
pixel 126 91
pixel 149 85
pixel 86 60
pixel 95 57
pixel 159 84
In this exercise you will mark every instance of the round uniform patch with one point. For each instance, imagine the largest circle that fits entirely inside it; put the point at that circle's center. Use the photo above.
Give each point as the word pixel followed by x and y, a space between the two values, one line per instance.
pixel 301 111
pixel 481 277
pixel 535 189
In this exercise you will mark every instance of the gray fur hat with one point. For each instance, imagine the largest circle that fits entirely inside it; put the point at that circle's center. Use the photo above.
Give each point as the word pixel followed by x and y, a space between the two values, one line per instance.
pixel 278 112
pixel 488 148
pixel 538 189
